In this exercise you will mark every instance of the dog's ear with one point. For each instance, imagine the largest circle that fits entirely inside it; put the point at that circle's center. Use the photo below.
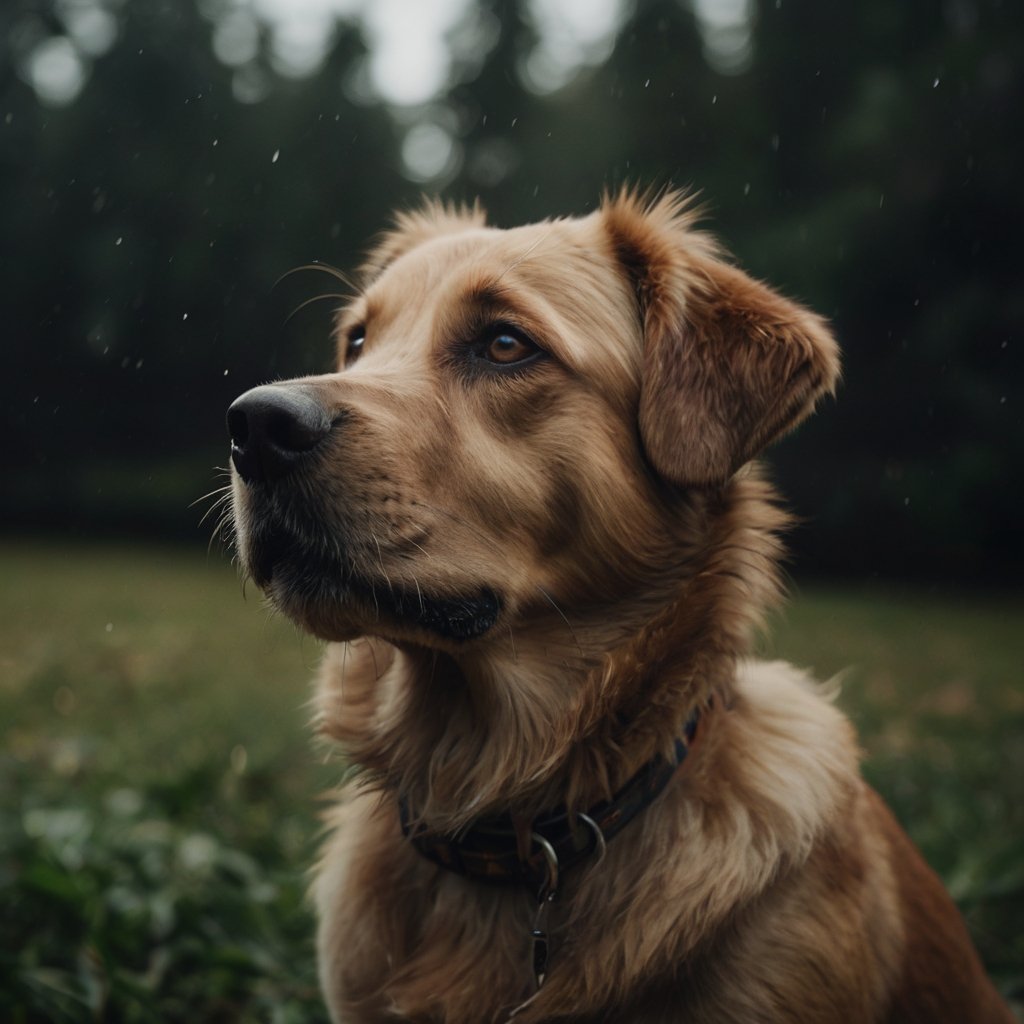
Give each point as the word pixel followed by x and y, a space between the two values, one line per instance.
pixel 413 227
pixel 728 364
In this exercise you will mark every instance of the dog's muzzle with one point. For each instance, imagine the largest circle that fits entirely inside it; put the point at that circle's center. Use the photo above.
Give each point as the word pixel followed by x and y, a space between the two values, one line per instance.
pixel 277 430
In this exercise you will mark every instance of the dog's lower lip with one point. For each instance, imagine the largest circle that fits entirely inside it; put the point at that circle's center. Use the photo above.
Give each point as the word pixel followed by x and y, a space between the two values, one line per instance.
pixel 279 558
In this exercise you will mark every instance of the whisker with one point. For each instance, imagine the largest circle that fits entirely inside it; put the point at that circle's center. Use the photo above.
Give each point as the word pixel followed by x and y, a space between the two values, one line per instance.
pixel 308 302
pixel 458 519
pixel 380 562
pixel 224 521
pixel 323 268
pixel 210 494
pixel 515 263
pixel 568 624
pixel 223 500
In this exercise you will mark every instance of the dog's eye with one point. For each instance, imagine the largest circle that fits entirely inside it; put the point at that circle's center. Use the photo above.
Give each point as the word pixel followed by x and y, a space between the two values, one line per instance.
pixel 505 348
pixel 356 337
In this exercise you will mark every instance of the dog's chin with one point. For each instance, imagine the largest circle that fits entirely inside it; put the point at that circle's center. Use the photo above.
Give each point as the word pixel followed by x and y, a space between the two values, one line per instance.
pixel 332 602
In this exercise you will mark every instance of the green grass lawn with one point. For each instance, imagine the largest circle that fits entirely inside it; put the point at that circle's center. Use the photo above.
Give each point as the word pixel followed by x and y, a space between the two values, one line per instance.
pixel 159 790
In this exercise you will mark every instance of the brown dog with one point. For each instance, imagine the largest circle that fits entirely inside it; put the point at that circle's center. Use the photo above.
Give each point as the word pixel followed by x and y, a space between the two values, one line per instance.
pixel 523 509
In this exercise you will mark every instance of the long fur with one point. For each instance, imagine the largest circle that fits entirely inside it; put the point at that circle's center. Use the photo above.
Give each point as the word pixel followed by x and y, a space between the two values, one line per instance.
pixel 602 500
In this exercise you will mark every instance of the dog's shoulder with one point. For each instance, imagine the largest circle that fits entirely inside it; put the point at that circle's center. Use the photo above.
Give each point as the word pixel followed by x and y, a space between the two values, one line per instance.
pixel 791 741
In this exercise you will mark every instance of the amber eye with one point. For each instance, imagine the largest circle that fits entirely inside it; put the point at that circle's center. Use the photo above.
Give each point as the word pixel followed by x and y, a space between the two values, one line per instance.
pixel 354 348
pixel 506 348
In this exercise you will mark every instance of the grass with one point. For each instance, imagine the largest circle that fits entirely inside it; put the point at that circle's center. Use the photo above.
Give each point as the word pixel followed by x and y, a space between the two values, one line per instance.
pixel 158 790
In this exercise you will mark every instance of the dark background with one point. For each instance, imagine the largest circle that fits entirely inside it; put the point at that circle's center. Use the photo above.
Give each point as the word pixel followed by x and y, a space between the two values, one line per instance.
pixel 864 157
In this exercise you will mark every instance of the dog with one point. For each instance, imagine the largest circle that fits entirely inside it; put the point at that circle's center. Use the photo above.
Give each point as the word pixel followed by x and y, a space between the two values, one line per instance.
pixel 524 512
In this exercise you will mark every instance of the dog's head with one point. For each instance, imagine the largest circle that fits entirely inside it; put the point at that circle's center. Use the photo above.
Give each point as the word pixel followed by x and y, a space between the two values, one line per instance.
pixel 515 423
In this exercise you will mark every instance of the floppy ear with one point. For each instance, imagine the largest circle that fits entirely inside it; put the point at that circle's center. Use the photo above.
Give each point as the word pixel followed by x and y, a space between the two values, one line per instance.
pixel 728 364
pixel 413 227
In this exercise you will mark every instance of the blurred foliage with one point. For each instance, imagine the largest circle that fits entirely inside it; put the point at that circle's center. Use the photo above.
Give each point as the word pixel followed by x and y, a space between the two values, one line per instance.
pixel 157 794
pixel 158 791
pixel 865 157
pixel 122 906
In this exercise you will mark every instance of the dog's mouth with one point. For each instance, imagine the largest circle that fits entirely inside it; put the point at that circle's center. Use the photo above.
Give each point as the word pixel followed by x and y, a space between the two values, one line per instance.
pixel 317 589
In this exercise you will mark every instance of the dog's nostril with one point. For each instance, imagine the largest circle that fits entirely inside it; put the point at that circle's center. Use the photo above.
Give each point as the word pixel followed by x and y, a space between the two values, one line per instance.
pixel 238 426
pixel 272 428
pixel 295 429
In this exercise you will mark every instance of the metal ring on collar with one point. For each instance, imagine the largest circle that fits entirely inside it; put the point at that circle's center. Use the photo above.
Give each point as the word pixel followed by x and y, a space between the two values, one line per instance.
pixel 600 846
pixel 548 890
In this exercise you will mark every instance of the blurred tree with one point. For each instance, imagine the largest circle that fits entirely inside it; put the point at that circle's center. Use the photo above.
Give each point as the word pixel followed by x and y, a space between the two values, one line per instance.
pixel 863 157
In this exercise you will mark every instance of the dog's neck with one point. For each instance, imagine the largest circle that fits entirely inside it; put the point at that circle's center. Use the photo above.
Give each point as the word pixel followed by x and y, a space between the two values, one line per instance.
pixel 520 726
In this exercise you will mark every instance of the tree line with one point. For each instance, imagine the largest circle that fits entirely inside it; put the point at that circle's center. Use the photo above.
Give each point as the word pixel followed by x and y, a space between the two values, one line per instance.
pixel 865 158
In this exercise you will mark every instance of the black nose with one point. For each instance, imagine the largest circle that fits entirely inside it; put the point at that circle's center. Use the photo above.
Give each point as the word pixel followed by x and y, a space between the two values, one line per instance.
pixel 272 429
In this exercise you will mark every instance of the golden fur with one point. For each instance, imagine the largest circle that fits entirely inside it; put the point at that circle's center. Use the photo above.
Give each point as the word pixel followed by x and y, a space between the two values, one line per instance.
pixel 593 515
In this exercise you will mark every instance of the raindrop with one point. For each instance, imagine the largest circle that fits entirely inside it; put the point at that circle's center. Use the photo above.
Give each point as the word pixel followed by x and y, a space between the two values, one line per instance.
pixel 119 240
pixel 775 143
pixel 1002 400
pixel 935 84
pixel 647 83
pixel 714 100
pixel 185 316
pixel 225 373
pixel 514 119
pixel 746 189
pixel 9 119
pixel 277 153
pixel 881 200
pixel 215 141
pixel 906 502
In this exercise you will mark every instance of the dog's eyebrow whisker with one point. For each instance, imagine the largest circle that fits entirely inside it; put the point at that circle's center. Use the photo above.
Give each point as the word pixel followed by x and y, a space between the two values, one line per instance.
pixel 316 298
pixel 323 268
pixel 522 258
pixel 554 604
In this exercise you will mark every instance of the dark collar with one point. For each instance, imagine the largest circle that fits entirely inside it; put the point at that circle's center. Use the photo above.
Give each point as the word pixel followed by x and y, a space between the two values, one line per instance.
pixel 489 849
